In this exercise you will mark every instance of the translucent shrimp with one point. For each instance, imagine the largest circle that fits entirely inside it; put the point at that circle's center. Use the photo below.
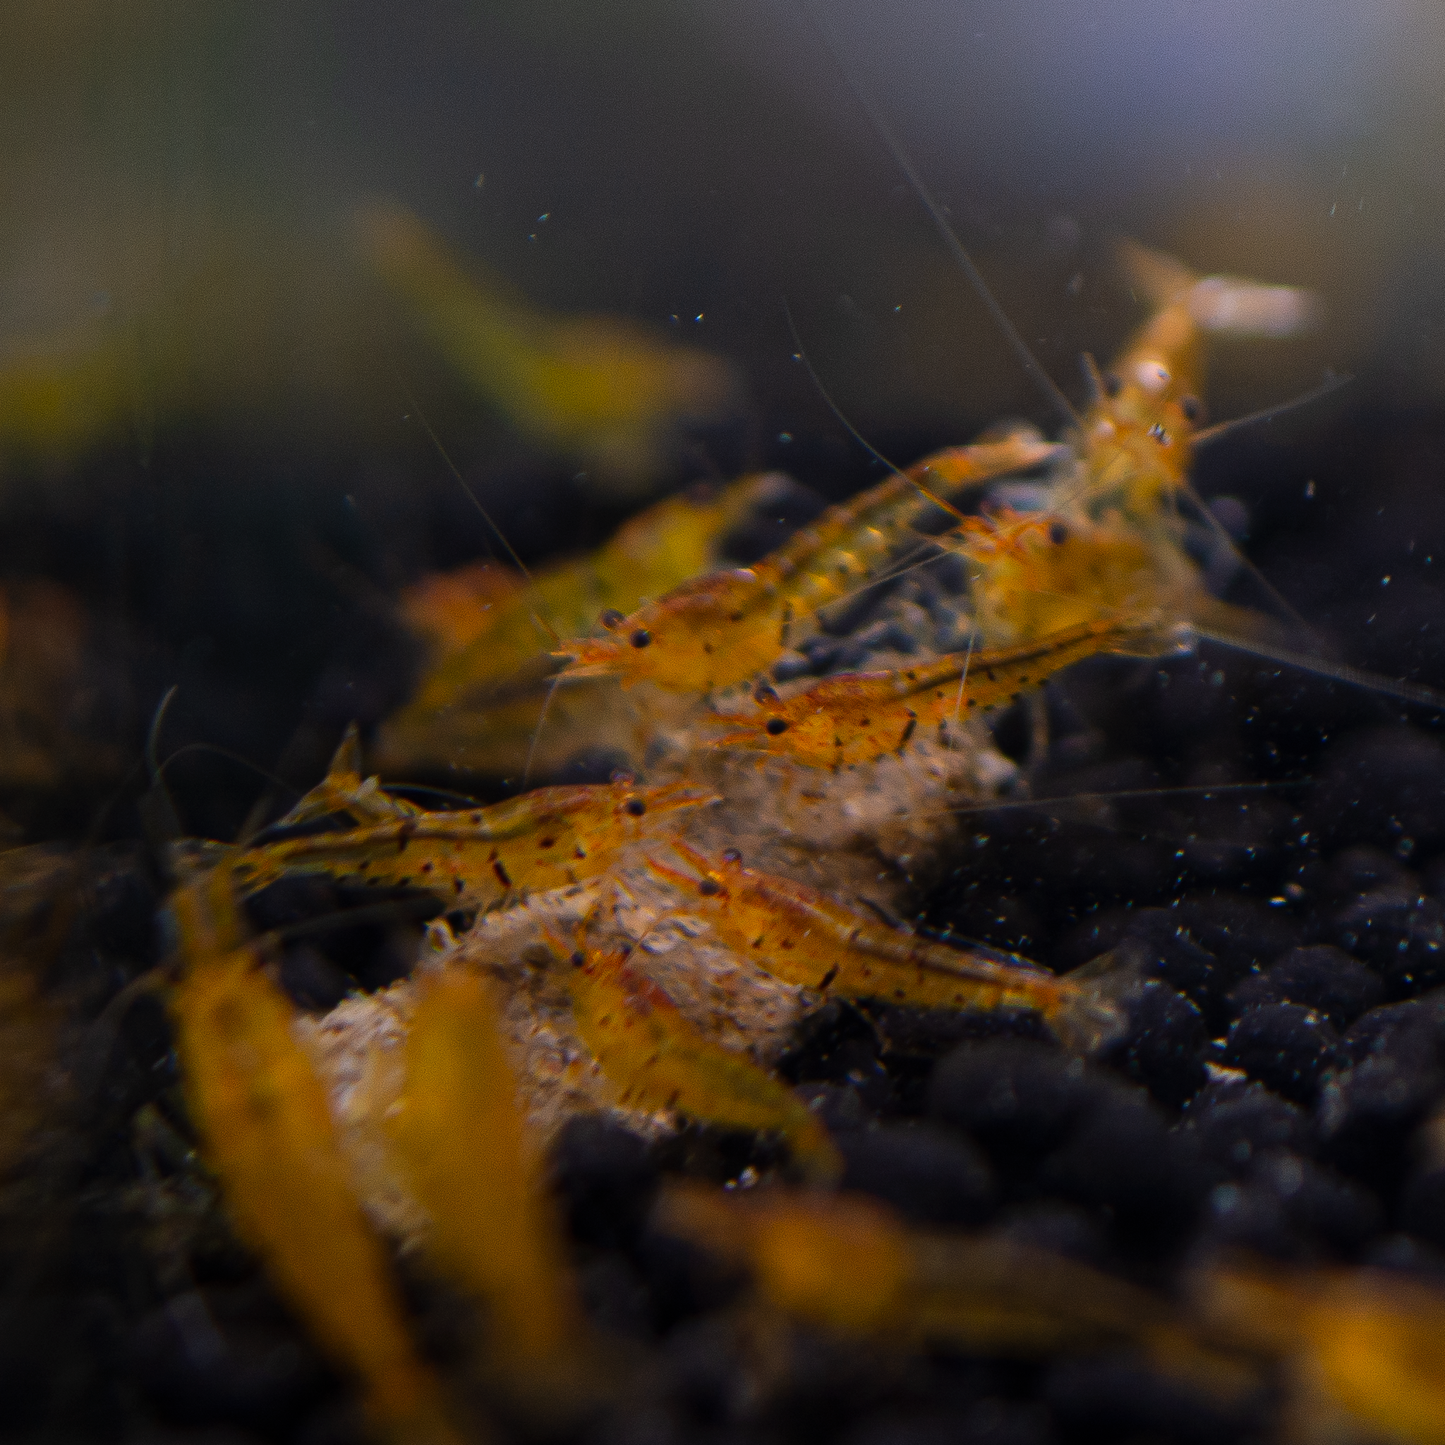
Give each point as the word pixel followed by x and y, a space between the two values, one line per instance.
pixel 1034 574
pixel 1365 1345
pixel 726 628
pixel 1108 535
pixel 848 1264
pixel 270 1139
pixel 467 1158
pixel 655 1059
pixel 808 939
pixel 1136 442
pixel 859 717
pixel 480 858
pixel 487 629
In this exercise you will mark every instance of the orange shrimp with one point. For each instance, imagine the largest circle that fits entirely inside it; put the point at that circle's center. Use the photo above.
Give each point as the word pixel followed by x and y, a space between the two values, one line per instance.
pixel 1137 438
pixel 269 1136
pixel 727 627
pixel 656 1059
pixel 859 717
pixel 808 939
pixel 1109 537
pixel 461 1140
pixel 549 838
pixel 1033 574
pixel 1365 1344
pixel 849 1264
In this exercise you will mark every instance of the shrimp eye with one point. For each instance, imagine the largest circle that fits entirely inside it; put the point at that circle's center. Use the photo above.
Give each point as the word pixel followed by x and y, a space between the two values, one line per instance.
pixel 640 638
pixel 611 619
pixel 1113 383
pixel 731 855
pixel 635 806
pixel 776 725
pixel 765 692
pixel 578 959
pixel 1058 534
pixel 709 887
pixel 1191 408
pixel 1159 434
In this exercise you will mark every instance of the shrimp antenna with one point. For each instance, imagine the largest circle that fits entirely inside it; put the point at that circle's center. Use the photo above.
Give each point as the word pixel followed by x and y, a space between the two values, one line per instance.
pixel 1401 688
pixel 537 731
pixel 1202 790
pixel 476 502
pixel 1045 383
pixel 848 426
pixel 157 808
pixel 1331 383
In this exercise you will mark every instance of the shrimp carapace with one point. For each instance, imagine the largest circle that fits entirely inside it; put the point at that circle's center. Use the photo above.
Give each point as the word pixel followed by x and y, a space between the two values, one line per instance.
pixel 479 858
pixel 859 717
pixel 654 1058
pixel 806 938
pixel 726 628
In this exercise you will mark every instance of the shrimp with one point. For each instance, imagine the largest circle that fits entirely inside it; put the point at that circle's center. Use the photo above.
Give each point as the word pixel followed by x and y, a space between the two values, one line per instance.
pixel 1137 438
pixel 460 1092
pixel 808 939
pixel 1033 574
pixel 848 1264
pixel 270 1138
pixel 488 683
pixel 549 838
pixel 1108 534
pixel 859 717
pixel 727 627
pixel 655 1059
pixel 1361 1344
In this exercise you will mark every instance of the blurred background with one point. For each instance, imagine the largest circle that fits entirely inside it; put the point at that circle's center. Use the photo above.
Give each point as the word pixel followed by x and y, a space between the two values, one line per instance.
pixel 268 274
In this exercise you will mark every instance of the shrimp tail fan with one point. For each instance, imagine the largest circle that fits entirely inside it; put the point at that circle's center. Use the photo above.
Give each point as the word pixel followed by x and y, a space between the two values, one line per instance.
pixel 1107 988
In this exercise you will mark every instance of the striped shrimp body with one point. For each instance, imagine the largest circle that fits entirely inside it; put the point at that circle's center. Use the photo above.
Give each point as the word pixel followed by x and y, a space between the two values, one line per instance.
pixel 270 1138
pixel 481 858
pixel 806 938
pixel 858 718
pixel 728 627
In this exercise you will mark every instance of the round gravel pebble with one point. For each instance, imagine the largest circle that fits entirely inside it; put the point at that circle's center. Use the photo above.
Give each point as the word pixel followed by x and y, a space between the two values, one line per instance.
pixel 1400 933
pixel 1162 1046
pixel 1319 977
pixel 930 1175
pixel 1285 1046
pixel 1231 1122
pixel 1016 1098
